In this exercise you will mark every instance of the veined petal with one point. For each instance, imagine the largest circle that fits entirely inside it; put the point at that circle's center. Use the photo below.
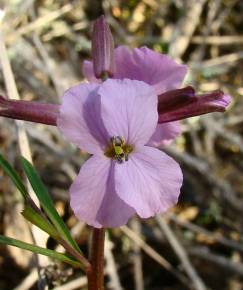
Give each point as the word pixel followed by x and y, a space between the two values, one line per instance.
pixel 149 66
pixel 79 119
pixel 129 110
pixel 144 64
pixel 93 197
pixel 149 181
pixel 164 134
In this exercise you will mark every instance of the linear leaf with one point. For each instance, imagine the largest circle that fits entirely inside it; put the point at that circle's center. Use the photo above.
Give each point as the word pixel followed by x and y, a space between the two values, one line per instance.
pixel 38 220
pixel 39 250
pixel 9 170
pixel 47 203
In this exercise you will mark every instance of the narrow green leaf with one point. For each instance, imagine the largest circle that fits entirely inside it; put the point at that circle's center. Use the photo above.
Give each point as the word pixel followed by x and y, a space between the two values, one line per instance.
pixel 38 220
pixel 8 169
pixel 47 203
pixel 39 250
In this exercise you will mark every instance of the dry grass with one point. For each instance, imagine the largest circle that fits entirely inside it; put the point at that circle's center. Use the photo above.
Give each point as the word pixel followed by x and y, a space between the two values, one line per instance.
pixel 198 245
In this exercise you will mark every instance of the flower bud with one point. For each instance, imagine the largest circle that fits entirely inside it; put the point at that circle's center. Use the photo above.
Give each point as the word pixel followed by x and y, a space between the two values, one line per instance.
pixel 215 101
pixel 174 99
pixel 29 111
pixel 102 49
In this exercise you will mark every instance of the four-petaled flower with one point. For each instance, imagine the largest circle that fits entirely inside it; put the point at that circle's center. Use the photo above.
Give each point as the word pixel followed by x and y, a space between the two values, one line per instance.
pixel 155 69
pixel 114 121
pixel 117 121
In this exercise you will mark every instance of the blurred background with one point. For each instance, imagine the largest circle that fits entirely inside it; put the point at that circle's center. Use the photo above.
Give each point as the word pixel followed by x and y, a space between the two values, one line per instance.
pixel 198 244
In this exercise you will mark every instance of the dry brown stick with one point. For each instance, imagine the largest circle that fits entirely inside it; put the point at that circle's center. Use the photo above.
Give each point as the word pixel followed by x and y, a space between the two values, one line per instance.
pixel 221 261
pixel 182 255
pixel 213 8
pixel 147 249
pixel 218 40
pixel 49 64
pixel 227 192
pixel 39 237
pixel 210 235
pixel 111 268
pixel 217 61
pixel 29 281
pixel 137 258
pixel 231 137
pixel 186 27
pixel 40 22
pixel 65 31
pixel 74 284
pixel 13 94
pixel 154 255
pixel 223 15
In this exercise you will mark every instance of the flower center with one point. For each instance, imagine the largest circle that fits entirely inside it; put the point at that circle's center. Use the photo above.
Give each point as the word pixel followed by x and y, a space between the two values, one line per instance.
pixel 118 149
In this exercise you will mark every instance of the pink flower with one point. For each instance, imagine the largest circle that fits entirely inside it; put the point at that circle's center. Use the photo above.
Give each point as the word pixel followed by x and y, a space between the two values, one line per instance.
pixel 155 69
pixel 165 76
pixel 117 121
pixel 143 64
pixel 113 121
pixel 158 70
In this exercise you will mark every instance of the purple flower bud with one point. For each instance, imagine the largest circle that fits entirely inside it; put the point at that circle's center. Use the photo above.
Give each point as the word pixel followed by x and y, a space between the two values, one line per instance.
pixel 102 49
pixel 171 100
pixel 29 111
pixel 215 101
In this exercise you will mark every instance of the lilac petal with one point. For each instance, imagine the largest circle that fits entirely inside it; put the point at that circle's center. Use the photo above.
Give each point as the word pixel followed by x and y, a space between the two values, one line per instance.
pixel 215 101
pixel 149 181
pixel 113 212
pixel 149 66
pixel 79 119
pixel 93 197
pixel 144 64
pixel 129 110
pixel 164 134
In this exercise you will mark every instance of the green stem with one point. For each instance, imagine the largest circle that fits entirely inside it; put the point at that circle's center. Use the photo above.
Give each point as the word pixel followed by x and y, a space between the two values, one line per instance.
pixel 96 274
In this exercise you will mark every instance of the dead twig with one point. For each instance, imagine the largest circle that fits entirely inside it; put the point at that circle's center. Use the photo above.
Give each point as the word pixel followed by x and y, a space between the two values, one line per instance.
pixel 74 284
pixel 39 237
pixel 218 40
pixel 185 28
pixel 29 281
pixel 221 261
pixel 182 255
pixel 210 235
pixel 111 268
pixel 137 257
pixel 39 22
pixel 154 255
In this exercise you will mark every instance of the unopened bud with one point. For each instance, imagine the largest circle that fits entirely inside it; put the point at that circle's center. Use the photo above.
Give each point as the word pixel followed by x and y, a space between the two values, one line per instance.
pixel 191 104
pixel 102 49
pixel 29 111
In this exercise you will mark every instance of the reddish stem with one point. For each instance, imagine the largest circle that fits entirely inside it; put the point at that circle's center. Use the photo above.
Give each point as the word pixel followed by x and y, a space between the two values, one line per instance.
pixel 96 274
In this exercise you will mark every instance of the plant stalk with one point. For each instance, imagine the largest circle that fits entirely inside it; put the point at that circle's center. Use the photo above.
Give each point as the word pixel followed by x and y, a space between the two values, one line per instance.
pixel 96 274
